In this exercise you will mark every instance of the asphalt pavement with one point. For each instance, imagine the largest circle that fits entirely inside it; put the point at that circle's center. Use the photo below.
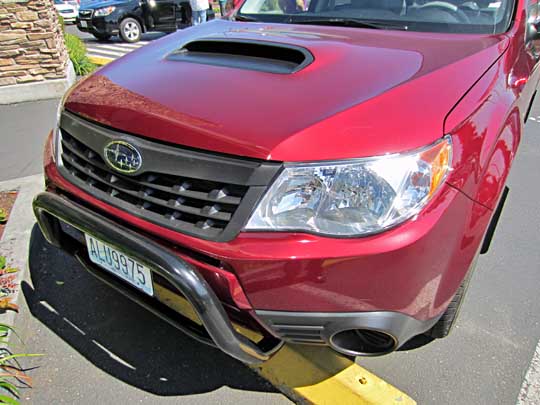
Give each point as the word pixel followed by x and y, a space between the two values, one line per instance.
pixel 24 128
pixel 114 47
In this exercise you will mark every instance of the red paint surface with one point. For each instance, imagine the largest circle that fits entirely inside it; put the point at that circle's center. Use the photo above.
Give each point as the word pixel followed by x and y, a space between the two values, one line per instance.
pixel 367 93
pixel 414 269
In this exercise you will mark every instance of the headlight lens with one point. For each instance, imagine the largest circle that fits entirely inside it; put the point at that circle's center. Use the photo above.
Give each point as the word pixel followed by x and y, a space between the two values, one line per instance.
pixel 102 12
pixel 354 198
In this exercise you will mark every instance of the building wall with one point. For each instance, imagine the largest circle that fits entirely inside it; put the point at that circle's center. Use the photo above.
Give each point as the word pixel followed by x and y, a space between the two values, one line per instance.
pixel 32 45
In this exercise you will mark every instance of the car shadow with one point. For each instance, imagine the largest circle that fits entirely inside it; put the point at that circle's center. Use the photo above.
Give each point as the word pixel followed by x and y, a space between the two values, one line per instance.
pixel 121 338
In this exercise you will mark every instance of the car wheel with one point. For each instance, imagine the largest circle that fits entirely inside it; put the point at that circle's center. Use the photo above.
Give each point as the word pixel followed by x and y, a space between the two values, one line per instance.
pixel 102 37
pixel 444 325
pixel 130 30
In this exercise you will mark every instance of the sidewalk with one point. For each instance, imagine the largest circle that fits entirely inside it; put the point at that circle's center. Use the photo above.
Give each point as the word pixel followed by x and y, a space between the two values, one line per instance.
pixel 23 130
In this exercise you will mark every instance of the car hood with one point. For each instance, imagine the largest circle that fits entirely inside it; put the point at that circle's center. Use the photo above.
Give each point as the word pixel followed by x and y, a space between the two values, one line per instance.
pixel 64 6
pixel 102 4
pixel 367 92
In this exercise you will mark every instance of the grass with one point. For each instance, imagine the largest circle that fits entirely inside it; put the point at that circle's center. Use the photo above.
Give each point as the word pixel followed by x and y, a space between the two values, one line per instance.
pixel 77 52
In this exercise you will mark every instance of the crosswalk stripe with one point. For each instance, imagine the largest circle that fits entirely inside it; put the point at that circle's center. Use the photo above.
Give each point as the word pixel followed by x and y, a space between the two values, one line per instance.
pixel 114 48
pixel 104 52
pixel 133 46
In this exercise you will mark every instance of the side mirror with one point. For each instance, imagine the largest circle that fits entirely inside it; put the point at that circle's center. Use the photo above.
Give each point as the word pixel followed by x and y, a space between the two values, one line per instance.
pixel 533 30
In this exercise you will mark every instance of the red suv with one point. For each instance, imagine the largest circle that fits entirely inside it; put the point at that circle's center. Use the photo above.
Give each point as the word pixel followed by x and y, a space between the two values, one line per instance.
pixel 320 172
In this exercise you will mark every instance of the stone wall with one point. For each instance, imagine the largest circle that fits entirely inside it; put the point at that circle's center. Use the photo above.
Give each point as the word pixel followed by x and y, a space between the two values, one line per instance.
pixel 32 46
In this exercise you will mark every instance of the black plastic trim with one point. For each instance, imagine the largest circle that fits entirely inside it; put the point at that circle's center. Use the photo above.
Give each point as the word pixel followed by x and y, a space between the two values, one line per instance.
pixel 494 221
pixel 400 326
pixel 530 107
pixel 262 56
pixel 176 161
pixel 49 208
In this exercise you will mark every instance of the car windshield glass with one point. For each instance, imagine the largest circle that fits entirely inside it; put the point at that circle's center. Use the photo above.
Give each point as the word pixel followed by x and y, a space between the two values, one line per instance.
pixel 58 2
pixel 452 16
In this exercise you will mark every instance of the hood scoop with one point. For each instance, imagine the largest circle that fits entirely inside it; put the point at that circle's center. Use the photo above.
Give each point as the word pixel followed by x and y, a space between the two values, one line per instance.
pixel 263 56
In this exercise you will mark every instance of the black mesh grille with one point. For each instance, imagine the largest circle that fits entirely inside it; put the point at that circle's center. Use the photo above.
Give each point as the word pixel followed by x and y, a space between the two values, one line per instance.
pixel 196 206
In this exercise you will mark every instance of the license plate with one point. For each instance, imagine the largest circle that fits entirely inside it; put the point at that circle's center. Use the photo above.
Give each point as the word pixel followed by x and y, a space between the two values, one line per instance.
pixel 84 24
pixel 120 264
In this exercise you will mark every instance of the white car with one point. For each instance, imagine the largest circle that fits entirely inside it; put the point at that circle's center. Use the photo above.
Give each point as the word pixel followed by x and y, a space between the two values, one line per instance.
pixel 68 11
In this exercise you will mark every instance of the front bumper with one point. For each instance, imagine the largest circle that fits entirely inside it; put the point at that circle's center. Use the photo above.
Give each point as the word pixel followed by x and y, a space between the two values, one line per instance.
pixel 50 209
pixel 99 25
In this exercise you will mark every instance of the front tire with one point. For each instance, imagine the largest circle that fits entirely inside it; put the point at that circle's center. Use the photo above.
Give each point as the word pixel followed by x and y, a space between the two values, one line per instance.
pixel 130 30
pixel 447 321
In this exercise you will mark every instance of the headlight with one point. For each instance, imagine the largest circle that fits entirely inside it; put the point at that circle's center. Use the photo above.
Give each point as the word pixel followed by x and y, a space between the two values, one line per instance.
pixel 354 197
pixel 102 12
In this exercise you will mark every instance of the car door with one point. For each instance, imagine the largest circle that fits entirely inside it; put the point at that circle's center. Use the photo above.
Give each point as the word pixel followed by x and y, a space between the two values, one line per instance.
pixel 533 47
pixel 161 15
pixel 525 74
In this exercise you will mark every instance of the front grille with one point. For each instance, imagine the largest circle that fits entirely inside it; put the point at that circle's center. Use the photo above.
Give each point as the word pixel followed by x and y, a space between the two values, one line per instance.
pixel 85 13
pixel 198 203
pixel 67 11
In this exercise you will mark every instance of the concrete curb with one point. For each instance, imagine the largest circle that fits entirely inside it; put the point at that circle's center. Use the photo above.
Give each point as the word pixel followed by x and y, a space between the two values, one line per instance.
pixel 21 93
pixel 530 390
pixel 16 237
pixel 97 60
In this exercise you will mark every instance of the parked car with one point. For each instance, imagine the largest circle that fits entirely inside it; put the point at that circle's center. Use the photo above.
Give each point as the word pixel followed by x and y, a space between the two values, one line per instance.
pixel 351 169
pixel 68 10
pixel 130 19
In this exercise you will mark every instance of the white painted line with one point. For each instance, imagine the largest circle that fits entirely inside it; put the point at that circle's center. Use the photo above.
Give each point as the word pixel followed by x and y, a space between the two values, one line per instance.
pixel 98 51
pixel 112 355
pixel 530 390
pixel 133 46
pixel 82 332
pixel 114 48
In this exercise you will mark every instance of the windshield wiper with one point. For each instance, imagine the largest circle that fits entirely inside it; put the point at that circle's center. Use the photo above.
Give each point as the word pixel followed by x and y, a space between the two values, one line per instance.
pixel 245 18
pixel 344 22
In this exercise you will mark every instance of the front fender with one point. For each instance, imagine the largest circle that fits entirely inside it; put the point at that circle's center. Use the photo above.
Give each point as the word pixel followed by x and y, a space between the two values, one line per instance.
pixel 486 130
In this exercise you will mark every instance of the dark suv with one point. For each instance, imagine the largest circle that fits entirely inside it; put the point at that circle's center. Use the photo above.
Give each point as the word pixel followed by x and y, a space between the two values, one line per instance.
pixel 130 19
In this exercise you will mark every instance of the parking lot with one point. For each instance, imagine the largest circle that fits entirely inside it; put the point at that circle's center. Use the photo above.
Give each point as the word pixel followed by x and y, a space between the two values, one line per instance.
pixel 113 48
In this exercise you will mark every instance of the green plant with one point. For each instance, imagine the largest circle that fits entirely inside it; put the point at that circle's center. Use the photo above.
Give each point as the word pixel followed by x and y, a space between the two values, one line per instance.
pixel 12 374
pixel 3 216
pixel 61 22
pixel 11 371
pixel 77 54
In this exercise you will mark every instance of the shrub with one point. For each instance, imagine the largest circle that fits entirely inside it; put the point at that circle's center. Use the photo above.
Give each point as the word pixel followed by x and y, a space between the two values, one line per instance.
pixel 77 54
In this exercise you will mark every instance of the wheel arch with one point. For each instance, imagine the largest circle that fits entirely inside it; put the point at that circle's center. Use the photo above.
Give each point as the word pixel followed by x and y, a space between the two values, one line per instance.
pixel 135 17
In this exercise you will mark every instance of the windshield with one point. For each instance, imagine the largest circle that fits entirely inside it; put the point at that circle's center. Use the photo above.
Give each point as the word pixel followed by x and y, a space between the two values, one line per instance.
pixel 453 16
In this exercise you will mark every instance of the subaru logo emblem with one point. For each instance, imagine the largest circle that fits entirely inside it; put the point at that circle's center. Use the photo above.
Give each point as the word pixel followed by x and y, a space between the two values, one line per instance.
pixel 122 157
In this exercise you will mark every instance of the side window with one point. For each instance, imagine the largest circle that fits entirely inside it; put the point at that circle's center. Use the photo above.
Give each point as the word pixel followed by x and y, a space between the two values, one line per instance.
pixel 533 11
